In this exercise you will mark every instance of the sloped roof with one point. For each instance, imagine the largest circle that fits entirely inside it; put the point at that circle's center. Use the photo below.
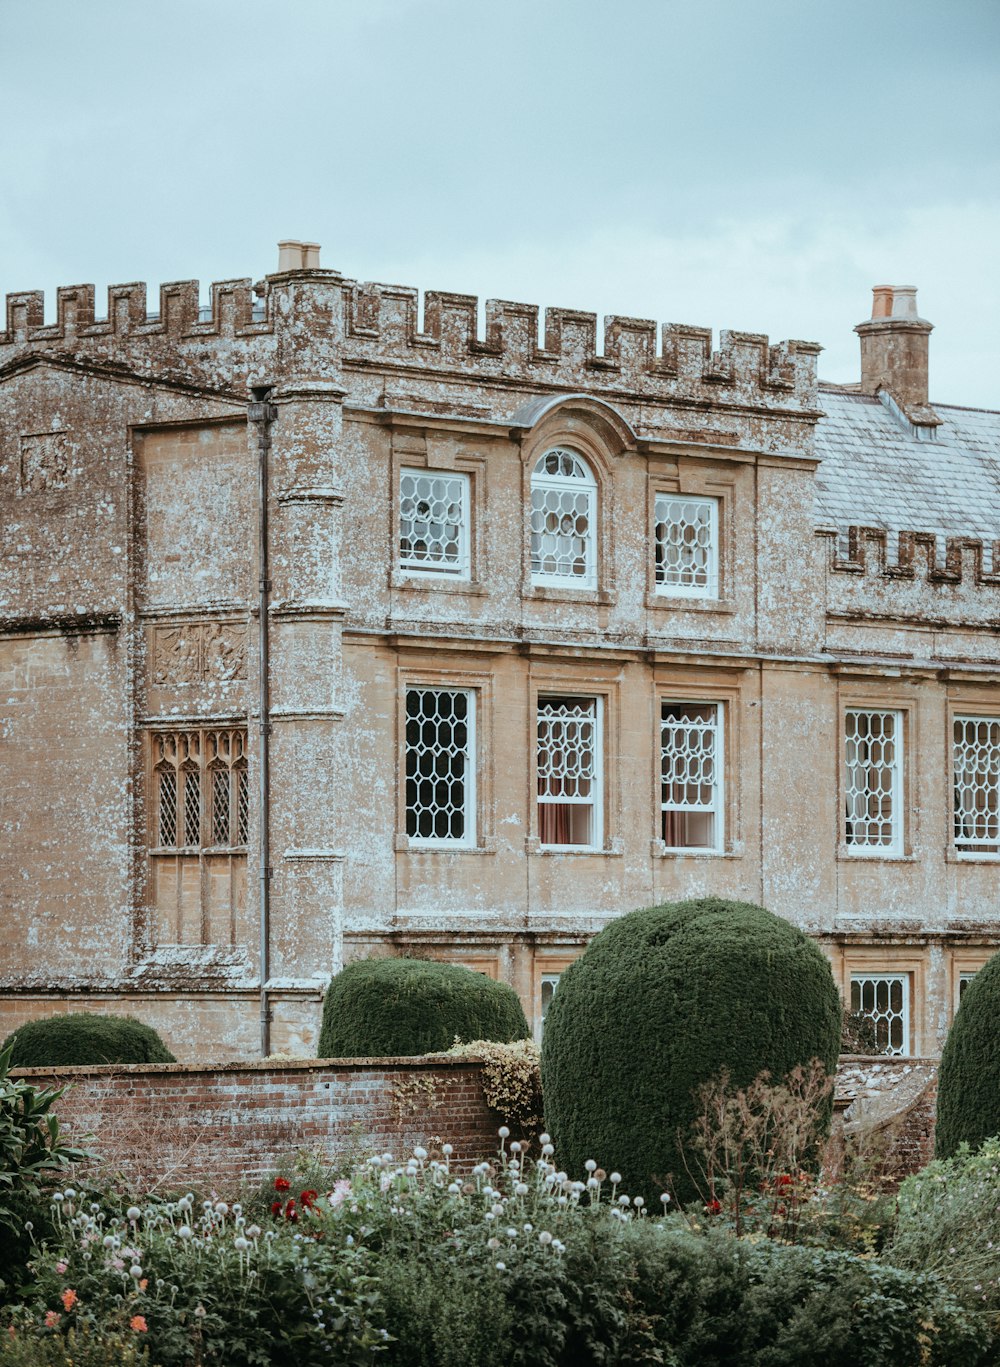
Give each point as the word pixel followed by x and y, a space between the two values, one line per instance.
pixel 876 474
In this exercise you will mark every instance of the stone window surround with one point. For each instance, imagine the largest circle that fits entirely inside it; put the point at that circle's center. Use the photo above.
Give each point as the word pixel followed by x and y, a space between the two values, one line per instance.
pixel 413 452
pixel 898 960
pixel 687 476
pixel 678 686
pixel 543 966
pixel 866 696
pixel 965 704
pixel 590 685
pixel 965 961
pixel 480 685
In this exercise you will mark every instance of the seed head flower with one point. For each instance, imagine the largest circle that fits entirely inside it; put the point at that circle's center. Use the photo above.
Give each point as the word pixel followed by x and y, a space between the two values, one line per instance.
pixel 515 1146
pixel 221 1208
pixel 544 1237
pixel 590 1165
pixel 420 1152
pixel 548 1150
pixel 616 1177
pixel 134 1213
pixel 135 1271
pixel 241 1243
pixel 503 1132
pixel 665 1197
pixel 447 1150
pixel 184 1232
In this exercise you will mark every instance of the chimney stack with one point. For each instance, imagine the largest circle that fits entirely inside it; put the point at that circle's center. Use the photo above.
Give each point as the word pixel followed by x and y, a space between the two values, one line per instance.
pixel 894 353
pixel 298 256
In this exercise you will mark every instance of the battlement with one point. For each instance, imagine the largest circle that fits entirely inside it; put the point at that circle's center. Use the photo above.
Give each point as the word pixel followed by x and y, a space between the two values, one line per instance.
pixel 381 321
pixel 374 326
pixel 966 559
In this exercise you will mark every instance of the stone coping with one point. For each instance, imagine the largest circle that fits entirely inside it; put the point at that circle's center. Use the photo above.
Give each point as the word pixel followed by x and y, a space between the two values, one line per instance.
pixel 266 1065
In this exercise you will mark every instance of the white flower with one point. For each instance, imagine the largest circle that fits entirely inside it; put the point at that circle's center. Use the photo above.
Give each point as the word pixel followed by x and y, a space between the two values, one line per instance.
pixel 511 1233
pixel 593 1183
pixel 590 1165
pixel 241 1243
pixel 498 1208
pixel 515 1146
pixel 665 1197
pixel 135 1271
pixel 58 1197
pixel 527 1228
pixel 183 1233
pixel 544 1237
pixel 253 1232
pixel 454 1188
pixel 420 1152
pixel 446 1149
pixel 387 1159
pixel 503 1132
pixel 623 1200
pixel 545 1139
pixel 616 1177
pixel 133 1213
pixel 501 1267
pixel 70 1193
pixel 221 1208
pixel 521 1189
pixel 548 1150
pixel 492 1243
pixel 237 1209
pixel 638 1201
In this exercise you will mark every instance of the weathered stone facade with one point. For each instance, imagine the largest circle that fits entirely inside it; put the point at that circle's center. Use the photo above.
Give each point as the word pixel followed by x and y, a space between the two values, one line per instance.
pixel 834 575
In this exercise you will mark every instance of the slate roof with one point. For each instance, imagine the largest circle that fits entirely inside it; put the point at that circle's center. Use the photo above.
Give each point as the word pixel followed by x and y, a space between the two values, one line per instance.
pixel 876 474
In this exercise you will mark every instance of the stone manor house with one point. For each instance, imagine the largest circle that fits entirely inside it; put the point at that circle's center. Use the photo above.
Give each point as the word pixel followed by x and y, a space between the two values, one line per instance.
pixel 330 628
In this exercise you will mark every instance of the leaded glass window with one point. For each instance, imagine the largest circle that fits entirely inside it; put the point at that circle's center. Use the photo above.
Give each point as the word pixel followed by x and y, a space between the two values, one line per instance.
pixel 977 784
pixel 434 522
pixel 568 771
pixel 563 521
pixel 691 772
pixel 885 999
pixel 202 789
pixel 440 766
pixel 873 767
pixel 686 540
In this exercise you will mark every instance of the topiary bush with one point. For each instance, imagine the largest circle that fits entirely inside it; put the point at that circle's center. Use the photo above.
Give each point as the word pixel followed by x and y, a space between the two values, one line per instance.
pixel 412 1006
pixel 968 1099
pixel 662 1001
pixel 82 1038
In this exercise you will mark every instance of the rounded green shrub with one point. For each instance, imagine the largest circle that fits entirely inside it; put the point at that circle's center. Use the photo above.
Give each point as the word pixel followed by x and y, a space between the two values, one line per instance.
pixel 662 1001
pixel 968 1099
pixel 83 1038
pixel 380 1007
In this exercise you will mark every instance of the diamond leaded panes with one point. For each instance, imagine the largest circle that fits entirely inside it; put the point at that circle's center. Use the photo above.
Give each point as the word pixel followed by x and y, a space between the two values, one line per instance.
pixel 434 522
pixel 687 546
pixel 563 520
pixel 202 789
pixel 440 778
pixel 568 767
pixel 691 775
pixel 977 784
pixel 885 1000
pixel 873 777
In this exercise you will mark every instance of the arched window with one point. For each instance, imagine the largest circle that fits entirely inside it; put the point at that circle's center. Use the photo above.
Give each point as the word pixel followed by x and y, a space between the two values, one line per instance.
pixel 563 521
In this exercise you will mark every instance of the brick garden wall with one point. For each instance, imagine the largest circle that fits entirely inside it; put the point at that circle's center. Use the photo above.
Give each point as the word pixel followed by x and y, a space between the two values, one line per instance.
pixel 887 1107
pixel 178 1125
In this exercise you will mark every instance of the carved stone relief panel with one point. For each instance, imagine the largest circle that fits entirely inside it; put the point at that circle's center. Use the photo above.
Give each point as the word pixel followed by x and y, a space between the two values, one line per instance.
pixel 44 462
pixel 199 652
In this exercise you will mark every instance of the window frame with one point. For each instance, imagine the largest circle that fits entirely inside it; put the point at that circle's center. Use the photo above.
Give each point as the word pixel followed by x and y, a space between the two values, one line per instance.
pixel 462 572
pixel 539 578
pixel 897 847
pixel 718 809
pixel 205 768
pixel 957 714
pixel 471 836
pixel 712 592
pixel 889 975
pixel 596 845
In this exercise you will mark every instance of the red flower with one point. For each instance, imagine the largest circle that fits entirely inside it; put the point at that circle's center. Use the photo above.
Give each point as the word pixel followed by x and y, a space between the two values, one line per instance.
pixel 783 1181
pixel 281 1184
pixel 290 1212
pixel 713 1207
pixel 307 1198
pixel 275 1208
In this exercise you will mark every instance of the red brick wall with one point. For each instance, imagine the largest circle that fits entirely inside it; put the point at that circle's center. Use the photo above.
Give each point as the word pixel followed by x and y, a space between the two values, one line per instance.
pixel 175 1125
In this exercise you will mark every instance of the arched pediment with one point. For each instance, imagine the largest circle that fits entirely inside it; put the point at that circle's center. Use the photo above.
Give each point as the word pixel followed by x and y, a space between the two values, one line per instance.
pixel 608 424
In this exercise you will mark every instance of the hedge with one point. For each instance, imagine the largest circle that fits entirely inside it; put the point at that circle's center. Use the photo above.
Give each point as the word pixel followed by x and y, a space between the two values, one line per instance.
pixel 82 1038
pixel 968 1099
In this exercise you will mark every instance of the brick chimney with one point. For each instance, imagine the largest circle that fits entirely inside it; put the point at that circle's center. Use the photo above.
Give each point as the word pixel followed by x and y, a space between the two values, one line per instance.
pixel 894 354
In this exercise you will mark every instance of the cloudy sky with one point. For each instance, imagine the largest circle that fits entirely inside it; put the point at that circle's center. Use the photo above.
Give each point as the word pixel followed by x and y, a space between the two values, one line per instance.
pixel 754 164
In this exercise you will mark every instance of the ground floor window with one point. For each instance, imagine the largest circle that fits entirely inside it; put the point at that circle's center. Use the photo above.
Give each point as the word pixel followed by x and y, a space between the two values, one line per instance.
pixel 885 999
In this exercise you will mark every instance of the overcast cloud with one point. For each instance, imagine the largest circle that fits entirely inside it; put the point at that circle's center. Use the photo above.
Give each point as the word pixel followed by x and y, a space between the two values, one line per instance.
pixel 748 165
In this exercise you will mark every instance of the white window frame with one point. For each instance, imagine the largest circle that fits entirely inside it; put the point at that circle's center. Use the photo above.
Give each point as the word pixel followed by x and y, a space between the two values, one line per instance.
pixel 906 980
pixel 964 978
pixel 718 807
pixel 585 483
pixel 962 844
pixel 894 846
pixel 596 801
pixel 543 981
pixel 469 838
pixel 409 565
pixel 711 588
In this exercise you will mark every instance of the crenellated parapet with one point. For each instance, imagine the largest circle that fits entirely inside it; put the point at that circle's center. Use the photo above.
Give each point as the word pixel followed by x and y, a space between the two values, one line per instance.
pixel 674 362
pixel 966 559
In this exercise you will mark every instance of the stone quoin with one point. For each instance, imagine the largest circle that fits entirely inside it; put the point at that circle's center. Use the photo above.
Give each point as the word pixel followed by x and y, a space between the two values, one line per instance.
pixel 330 627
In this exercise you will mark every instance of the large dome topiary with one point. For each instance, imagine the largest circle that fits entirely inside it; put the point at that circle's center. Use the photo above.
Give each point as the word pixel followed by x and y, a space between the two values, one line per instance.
pixel 661 1001
pixel 411 1006
pixel 968 1099
pixel 82 1038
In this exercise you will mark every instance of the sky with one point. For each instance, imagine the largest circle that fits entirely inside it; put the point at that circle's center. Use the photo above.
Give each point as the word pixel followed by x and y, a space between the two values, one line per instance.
pixel 747 164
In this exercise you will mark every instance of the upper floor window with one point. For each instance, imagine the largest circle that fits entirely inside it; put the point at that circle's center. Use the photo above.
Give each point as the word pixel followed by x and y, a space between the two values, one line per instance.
pixel 568 771
pixel 434 522
pixel 440 766
pixel 691 768
pixel 687 546
pixel 202 789
pixel 873 752
pixel 563 521
pixel 976 755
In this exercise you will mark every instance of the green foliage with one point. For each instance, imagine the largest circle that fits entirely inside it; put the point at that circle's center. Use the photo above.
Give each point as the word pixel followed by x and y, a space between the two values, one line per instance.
pixel 80 1346
pixel 83 1038
pixel 512 1080
pixel 379 1007
pixel 948 1222
pixel 662 1001
pixel 968 1100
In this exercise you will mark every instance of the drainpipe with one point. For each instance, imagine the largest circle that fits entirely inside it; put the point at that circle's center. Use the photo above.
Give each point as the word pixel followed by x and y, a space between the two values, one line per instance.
pixel 261 413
